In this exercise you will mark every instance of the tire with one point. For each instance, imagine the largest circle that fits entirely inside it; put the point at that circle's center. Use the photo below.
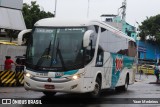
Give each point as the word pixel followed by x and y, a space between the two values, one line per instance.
pixel 49 94
pixel 124 87
pixel 97 89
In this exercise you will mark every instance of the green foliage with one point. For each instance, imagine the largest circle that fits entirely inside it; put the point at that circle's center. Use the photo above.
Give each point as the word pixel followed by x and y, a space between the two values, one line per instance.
pixel 32 14
pixel 12 34
pixel 151 27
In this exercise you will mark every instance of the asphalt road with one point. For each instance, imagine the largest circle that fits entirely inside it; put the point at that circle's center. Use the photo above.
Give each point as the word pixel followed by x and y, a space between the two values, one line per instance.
pixel 144 93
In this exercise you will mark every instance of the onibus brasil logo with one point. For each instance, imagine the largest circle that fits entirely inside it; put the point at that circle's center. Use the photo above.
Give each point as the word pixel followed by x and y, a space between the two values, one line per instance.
pixel 118 64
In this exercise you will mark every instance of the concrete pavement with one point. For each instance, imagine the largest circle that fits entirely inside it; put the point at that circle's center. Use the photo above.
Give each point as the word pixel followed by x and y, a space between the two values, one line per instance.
pixel 146 78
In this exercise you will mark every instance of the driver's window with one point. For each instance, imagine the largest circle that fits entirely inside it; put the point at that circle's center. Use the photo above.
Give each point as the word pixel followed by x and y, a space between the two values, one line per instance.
pixel 100 56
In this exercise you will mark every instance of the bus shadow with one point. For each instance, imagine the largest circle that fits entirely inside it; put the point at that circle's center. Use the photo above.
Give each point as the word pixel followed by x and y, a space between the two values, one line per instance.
pixel 106 97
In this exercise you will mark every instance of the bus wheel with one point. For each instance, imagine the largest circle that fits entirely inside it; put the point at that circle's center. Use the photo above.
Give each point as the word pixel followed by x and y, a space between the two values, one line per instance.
pixel 97 89
pixel 49 94
pixel 125 86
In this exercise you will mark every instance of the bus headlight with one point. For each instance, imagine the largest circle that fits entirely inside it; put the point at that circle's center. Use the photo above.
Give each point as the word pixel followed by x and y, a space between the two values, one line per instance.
pixel 28 75
pixel 74 77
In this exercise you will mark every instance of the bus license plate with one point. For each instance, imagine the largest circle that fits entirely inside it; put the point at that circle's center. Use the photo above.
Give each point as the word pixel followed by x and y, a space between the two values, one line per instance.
pixel 42 74
pixel 49 86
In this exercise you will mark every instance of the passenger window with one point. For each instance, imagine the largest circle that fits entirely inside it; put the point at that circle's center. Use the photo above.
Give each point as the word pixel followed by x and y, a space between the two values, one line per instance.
pixel 132 49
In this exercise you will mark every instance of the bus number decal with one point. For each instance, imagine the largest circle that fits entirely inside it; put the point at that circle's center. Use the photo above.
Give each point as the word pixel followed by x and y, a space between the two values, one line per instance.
pixel 118 64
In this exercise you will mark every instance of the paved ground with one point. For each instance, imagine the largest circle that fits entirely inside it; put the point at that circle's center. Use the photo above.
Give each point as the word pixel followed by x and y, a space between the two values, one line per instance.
pixel 145 87
pixel 151 79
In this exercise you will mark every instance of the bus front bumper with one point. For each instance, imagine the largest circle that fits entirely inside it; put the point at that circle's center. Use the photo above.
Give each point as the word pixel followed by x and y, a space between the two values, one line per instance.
pixel 74 86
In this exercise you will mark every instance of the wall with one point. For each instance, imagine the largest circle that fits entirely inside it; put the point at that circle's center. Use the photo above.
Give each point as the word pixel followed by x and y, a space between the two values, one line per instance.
pixel 11 15
pixel 16 4
pixel 151 50
pixel 10 50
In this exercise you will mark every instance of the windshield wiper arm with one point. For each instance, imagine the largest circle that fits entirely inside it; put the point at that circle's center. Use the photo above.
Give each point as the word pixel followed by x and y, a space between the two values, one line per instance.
pixel 49 48
pixel 58 52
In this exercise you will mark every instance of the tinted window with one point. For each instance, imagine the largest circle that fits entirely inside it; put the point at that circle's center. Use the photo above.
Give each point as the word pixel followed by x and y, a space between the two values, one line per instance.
pixel 114 43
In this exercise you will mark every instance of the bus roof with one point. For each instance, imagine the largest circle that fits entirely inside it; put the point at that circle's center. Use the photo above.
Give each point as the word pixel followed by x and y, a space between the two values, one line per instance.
pixel 56 22
pixel 62 22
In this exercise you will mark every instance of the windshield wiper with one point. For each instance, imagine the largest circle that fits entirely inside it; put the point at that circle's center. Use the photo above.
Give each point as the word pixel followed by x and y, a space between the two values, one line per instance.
pixel 58 52
pixel 49 48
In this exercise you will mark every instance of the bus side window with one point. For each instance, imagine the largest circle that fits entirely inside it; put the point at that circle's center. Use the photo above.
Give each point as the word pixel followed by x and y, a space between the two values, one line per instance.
pixel 131 49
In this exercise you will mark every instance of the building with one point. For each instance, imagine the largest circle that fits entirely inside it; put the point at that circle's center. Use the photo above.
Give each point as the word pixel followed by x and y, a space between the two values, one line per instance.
pixel 146 50
pixel 117 22
pixel 11 15
pixel 10 18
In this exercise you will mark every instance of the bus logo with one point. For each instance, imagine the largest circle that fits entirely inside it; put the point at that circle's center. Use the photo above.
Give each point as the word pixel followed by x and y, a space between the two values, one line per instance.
pixel 54 61
pixel 119 63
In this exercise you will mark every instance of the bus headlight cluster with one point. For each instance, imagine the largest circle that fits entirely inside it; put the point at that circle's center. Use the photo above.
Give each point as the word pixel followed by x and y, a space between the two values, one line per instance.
pixel 28 75
pixel 74 77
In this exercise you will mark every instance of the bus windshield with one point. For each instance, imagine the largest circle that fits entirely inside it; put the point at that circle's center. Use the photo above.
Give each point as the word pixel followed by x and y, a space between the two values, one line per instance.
pixel 55 49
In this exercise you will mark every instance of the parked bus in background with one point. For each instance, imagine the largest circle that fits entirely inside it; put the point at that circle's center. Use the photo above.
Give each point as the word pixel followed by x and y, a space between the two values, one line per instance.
pixel 78 56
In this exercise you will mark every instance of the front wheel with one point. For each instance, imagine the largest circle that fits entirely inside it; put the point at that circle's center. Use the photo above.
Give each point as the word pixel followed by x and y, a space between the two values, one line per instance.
pixel 97 89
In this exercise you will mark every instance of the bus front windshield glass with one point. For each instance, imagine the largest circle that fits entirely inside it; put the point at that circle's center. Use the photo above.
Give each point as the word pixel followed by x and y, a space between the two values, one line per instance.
pixel 53 48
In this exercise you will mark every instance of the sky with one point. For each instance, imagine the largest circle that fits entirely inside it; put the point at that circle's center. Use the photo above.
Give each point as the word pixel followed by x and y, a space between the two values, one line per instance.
pixel 136 11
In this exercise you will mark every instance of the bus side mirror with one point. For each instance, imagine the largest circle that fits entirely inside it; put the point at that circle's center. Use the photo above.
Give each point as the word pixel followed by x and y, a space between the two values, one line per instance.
pixel 20 35
pixel 86 38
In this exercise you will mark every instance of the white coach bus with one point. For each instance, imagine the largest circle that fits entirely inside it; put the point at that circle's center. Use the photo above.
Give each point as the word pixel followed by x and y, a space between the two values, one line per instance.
pixel 78 56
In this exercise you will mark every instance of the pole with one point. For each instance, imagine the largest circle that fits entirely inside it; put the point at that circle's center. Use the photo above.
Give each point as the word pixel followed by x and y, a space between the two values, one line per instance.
pixel 138 38
pixel 55 8
pixel 88 10
pixel 137 49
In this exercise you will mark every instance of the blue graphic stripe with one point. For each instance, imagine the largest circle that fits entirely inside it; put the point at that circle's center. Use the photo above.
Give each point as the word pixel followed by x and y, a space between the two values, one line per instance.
pixel 127 62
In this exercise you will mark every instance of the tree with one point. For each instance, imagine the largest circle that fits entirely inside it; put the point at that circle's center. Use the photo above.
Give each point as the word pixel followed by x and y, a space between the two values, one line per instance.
pixel 12 33
pixel 151 28
pixel 32 13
